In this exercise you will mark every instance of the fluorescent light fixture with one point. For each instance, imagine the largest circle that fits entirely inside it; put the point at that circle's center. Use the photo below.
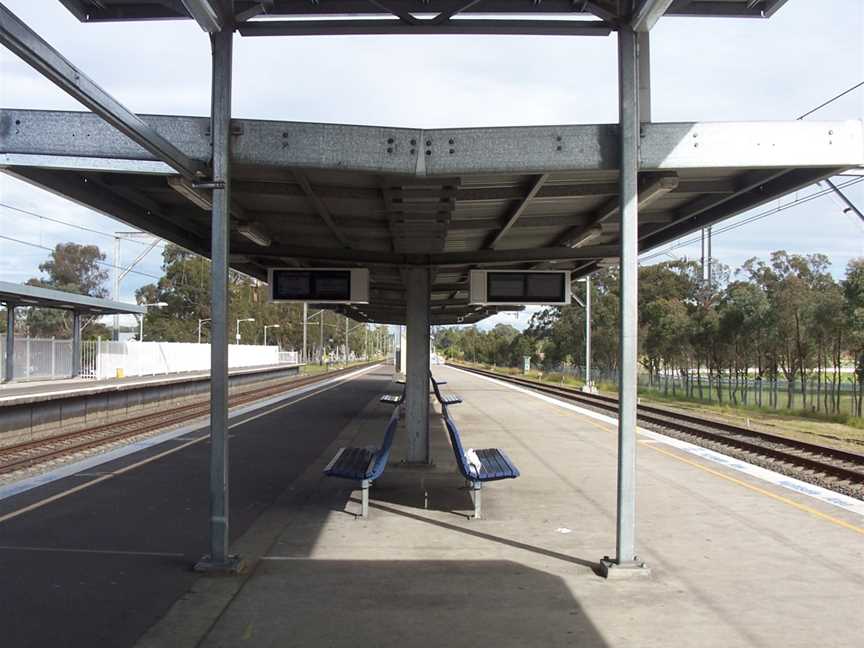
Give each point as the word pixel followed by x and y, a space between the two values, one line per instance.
pixel 195 196
pixel 255 235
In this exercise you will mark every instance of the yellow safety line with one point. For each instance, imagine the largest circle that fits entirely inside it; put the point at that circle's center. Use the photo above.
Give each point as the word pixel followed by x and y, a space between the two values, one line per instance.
pixel 93 482
pixel 761 491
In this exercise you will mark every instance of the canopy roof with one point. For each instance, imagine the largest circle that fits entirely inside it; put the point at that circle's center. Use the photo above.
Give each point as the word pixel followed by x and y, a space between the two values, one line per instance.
pixel 605 10
pixel 452 199
pixel 24 295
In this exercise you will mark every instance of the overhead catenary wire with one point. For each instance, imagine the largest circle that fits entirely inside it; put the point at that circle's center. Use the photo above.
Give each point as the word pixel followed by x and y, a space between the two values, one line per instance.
pixel 753 218
pixel 106 264
pixel 83 228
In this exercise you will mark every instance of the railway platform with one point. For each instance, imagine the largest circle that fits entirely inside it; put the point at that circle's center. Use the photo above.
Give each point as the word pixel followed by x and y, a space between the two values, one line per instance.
pixel 34 411
pixel 734 560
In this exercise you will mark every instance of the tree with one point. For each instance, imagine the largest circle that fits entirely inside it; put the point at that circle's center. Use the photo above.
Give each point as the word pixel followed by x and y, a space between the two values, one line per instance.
pixel 853 292
pixel 70 268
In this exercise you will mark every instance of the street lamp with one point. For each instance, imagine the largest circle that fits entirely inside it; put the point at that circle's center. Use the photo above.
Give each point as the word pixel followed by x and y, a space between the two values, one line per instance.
pixel 141 318
pixel 200 322
pixel 245 319
pixel 265 331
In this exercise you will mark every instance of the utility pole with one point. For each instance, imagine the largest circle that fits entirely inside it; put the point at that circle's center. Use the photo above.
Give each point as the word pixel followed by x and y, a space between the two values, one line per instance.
pixel 710 261
pixel 305 316
pixel 346 339
pixel 116 292
pixel 589 385
pixel 321 342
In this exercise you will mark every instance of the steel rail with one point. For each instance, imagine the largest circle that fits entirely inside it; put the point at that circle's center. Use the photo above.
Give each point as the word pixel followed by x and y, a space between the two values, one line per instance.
pixel 833 462
pixel 56 446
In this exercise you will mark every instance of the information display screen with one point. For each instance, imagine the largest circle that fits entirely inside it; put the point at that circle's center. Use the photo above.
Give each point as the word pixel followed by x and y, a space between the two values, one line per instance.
pixel 311 285
pixel 525 287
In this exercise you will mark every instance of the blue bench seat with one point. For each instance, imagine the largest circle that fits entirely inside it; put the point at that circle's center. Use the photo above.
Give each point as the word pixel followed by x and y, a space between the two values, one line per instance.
pixel 444 399
pixel 364 464
pixel 494 464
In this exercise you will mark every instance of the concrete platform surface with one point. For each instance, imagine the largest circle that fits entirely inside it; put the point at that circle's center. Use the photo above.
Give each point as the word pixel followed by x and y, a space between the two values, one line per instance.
pixel 734 561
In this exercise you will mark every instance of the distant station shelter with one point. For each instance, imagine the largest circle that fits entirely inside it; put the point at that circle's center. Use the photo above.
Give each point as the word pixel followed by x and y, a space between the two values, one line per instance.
pixel 14 296
pixel 420 209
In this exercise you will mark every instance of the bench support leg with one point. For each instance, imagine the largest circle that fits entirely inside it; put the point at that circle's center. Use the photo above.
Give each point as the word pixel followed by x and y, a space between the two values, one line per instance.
pixel 475 496
pixel 364 500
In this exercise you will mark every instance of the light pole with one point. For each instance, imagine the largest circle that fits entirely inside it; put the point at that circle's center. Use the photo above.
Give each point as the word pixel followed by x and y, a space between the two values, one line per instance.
pixel 305 316
pixel 141 318
pixel 265 331
pixel 589 385
pixel 245 319
pixel 200 322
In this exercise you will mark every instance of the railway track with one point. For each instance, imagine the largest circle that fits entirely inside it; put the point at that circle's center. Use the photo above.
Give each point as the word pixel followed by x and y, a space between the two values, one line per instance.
pixel 833 468
pixel 26 455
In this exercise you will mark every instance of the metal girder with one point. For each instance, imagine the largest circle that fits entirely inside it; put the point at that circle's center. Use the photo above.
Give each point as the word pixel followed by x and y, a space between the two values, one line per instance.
pixel 207 13
pixel 687 221
pixel 478 257
pixel 651 187
pixel 522 149
pixel 78 190
pixel 25 43
pixel 321 208
pixel 648 13
pixel 355 27
pixel 520 208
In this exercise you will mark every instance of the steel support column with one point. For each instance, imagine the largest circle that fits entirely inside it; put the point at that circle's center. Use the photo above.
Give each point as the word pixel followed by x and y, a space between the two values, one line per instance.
pixel 417 370
pixel 76 344
pixel 9 374
pixel 219 560
pixel 625 559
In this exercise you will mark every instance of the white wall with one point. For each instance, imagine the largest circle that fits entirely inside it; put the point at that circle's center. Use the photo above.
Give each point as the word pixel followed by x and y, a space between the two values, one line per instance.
pixel 152 358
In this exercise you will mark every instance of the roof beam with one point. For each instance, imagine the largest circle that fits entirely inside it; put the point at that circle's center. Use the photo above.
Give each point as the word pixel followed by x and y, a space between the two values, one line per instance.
pixel 652 186
pixel 207 13
pixel 478 257
pixel 648 13
pixel 24 42
pixel 600 11
pixel 356 27
pixel 511 150
pixel 539 181
pixel 321 208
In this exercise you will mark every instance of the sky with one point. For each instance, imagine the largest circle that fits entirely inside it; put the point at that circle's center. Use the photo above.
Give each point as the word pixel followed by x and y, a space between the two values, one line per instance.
pixel 702 70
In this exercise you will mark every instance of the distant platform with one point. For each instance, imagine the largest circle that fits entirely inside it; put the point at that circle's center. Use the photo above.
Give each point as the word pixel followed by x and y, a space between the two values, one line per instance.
pixel 23 392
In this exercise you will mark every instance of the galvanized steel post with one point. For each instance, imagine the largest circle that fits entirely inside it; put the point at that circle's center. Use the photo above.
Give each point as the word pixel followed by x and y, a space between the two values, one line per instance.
pixel 417 369
pixel 76 344
pixel 9 374
pixel 588 332
pixel 219 559
pixel 628 101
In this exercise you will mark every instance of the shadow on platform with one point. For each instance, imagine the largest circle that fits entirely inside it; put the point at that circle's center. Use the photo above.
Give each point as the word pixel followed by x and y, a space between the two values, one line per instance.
pixel 384 603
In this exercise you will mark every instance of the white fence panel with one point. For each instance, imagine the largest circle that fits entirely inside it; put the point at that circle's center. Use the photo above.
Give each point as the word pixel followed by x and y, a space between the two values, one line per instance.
pixel 156 358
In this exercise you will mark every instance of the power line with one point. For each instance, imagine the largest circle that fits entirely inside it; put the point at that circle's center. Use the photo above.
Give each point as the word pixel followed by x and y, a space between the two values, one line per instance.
pixel 74 225
pixel 832 99
pixel 753 218
pixel 109 265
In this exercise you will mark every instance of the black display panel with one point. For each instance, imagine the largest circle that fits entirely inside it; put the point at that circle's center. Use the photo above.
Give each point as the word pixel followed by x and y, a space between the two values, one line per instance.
pixel 525 287
pixel 311 285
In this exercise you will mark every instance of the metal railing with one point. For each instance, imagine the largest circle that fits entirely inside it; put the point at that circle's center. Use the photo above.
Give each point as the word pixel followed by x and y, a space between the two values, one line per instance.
pixel 39 358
